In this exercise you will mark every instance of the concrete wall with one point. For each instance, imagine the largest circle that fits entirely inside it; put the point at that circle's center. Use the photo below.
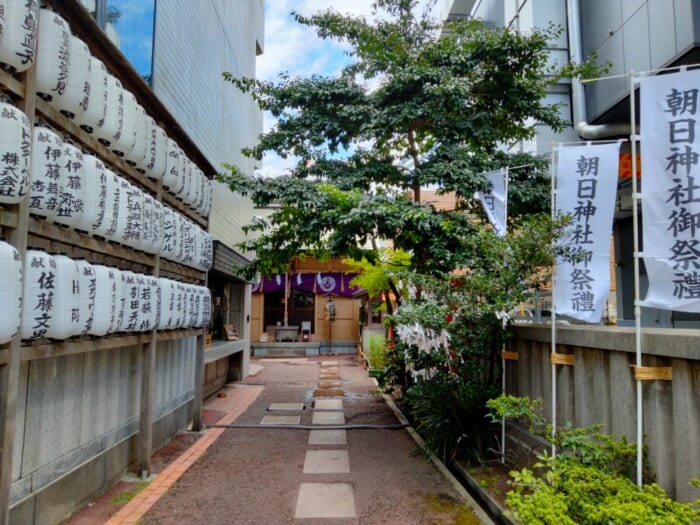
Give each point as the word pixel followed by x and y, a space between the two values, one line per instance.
pixel 75 414
pixel 600 388
pixel 213 36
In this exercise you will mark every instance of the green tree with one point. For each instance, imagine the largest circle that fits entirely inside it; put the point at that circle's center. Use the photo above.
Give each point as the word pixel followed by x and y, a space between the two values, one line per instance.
pixel 439 111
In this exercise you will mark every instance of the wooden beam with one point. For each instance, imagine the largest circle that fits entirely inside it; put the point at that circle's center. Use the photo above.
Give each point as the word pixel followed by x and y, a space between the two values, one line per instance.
pixel 653 373
pixel 509 356
pixel 562 359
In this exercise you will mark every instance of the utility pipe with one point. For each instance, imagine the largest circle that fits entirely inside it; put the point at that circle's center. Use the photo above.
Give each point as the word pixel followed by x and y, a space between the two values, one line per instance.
pixel 578 97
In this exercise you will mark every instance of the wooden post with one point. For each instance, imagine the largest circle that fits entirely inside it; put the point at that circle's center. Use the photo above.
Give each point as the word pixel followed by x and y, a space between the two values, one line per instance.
pixel 9 373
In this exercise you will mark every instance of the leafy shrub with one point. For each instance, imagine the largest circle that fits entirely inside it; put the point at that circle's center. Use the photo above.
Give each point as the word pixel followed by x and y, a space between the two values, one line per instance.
pixel 377 355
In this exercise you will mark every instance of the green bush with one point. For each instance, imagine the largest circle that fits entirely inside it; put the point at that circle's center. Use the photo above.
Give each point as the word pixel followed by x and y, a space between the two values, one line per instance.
pixel 377 354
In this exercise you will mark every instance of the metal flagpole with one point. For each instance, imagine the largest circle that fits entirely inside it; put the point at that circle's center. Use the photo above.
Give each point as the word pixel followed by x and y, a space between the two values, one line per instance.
pixel 503 359
pixel 554 312
pixel 637 307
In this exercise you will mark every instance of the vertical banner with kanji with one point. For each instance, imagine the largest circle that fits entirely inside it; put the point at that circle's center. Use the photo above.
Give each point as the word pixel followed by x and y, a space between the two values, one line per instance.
pixel 495 201
pixel 586 186
pixel 670 153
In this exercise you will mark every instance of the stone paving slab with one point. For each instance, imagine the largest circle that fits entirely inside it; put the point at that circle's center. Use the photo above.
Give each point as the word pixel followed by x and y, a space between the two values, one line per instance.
pixel 329 363
pixel 280 420
pixel 328 437
pixel 328 418
pixel 325 500
pixel 328 392
pixel 327 462
pixel 286 406
pixel 328 404
pixel 329 384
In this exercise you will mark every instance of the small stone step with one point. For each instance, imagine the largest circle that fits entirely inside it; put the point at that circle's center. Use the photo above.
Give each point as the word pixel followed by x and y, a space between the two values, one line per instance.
pixel 328 392
pixel 328 384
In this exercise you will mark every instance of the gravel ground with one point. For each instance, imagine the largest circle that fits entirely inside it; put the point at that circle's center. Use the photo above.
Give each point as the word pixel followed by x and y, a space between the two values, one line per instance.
pixel 252 476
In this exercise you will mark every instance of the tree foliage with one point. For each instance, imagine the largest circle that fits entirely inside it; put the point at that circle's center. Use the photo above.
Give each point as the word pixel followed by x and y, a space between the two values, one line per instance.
pixel 410 110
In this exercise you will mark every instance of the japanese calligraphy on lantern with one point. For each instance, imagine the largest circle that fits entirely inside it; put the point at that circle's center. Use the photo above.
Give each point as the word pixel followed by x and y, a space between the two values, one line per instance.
pixel 586 188
pixel 494 201
pixel 670 150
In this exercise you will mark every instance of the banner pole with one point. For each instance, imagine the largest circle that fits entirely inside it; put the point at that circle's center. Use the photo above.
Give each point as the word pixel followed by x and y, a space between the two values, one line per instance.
pixel 554 312
pixel 503 359
pixel 637 307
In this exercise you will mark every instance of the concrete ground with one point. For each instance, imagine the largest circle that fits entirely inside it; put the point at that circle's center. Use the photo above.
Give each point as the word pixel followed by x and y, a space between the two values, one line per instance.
pixel 286 460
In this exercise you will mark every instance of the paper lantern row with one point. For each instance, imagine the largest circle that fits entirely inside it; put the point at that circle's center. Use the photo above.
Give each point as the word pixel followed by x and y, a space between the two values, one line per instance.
pixel 77 190
pixel 63 298
pixel 79 85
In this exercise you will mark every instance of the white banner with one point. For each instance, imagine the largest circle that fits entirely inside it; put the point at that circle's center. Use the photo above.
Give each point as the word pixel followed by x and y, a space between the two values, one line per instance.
pixel 495 200
pixel 670 154
pixel 586 186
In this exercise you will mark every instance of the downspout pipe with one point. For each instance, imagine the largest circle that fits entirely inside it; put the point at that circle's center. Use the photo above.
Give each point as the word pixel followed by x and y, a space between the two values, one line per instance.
pixel 578 97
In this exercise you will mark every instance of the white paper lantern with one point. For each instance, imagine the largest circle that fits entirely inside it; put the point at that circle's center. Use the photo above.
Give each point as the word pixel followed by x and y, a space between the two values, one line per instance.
pixel 15 154
pixel 71 198
pixel 130 215
pixel 10 291
pixel 65 321
pixel 130 322
pixel 157 154
pixel 195 302
pixel 19 32
pixel 150 232
pixel 97 81
pixel 166 319
pixel 124 140
pixel 172 166
pixel 108 204
pixel 110 125
pixel 120 306
pixel 206 306
pixel 208 200
pixel 157 223
pixel 39 294
pixel 76 97
pixel 180 305
pixel 205 252
pixel 46 168
pixel 106 296
pixel 95 191
pixel 195 187
pixel 149 302
pixel 169 239
pixel 53 55
pixel 182 186
pixel 88 290
pixel 201 193
pixel 136 156
pixel 185 254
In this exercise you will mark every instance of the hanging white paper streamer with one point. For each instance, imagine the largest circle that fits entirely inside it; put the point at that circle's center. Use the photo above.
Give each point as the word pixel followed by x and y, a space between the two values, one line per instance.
pixel 130 321
pixel 494 201
pixel 10 291
pixel 76 97
pixel 172 166
pixel 95 191
pixel 136 156
pixel 87 297
pixel 105 305
pixel 38 297
pixel 15 154
pixel 19 32
pixel 47 164
pixel 157 153
pixel 53 55
pixel 95 111
pixel 586 186
pixel 671 190
pixel 71 198
pixel 111 122
pixel 65 321
pixel 125 139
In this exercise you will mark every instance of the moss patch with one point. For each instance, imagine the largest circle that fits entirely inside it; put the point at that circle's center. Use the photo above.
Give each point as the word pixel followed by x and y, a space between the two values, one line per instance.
pixel 125 497
pixel 444 509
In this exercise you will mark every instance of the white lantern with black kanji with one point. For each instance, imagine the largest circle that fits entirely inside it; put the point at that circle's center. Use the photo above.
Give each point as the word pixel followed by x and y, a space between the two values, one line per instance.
pixel 71 198
pixel 180 305
pixel 108 204
pixel 105 304
pixel 110 125
pixel 124 141
pixel 157 153
pixel 132 294
pixel 194 301
pixel 130 215
pixel 10 291
pixel 65 321
pixel 188 234
pixel 120 305
pixel 18 34
pixel 15 154
pixel 198 205
pixel 149 302
pixel 209 199
pixel 46 168
pixel 76 97
pixel 172 165
pixel 206 306
pixel 39 294
pixel 136 156
pixel 88 289
pixel 205 251
pixel 167 304
pixel 95 109
pixel 168 247
pixel 53 55
pixel 180 190
pixel 95 190
pixel 157 242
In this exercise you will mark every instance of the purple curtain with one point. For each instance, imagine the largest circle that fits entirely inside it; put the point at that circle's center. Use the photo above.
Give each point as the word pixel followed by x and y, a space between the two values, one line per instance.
pixel 323 283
